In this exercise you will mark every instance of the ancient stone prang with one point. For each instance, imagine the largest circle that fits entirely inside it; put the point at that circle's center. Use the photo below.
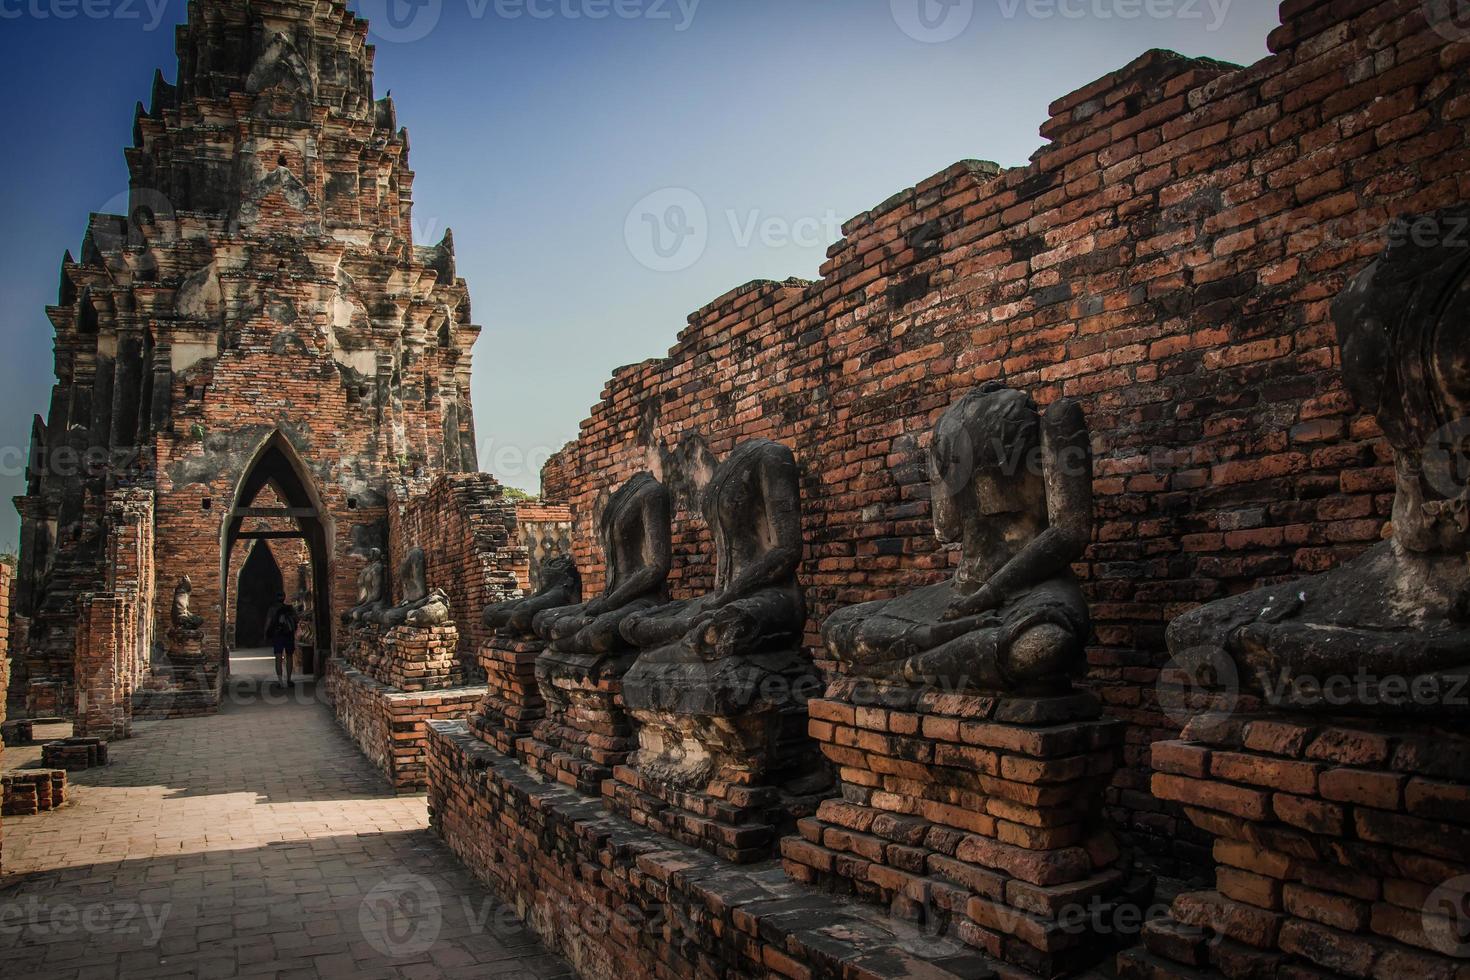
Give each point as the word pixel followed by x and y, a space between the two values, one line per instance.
pixel 254 320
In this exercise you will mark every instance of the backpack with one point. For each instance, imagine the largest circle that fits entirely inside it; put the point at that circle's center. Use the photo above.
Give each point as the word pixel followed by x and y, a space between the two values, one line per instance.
pixel 284 623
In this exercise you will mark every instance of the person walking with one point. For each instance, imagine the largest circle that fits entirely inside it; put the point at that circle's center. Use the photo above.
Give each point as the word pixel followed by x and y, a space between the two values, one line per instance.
pixel 281 631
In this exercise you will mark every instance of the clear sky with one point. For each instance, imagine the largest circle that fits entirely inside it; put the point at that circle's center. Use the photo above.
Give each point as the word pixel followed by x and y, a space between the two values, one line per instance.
pixel 557 137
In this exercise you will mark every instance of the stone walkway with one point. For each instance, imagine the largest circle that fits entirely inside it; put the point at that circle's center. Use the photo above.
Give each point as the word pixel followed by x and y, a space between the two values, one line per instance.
pixel 258 842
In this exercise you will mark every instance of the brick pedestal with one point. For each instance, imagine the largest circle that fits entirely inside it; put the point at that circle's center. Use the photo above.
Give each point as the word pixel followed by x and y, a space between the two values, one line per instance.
pixel 586 734
pixel 978 816
pixel 74 753
pixel 724 762
pixel 409 658
pixel 1342 850
pixel 31 791
pixel 620 901
pixel 185 647
pixel 177 692
pixel 512 704
pixel 389 724
pixel 48 698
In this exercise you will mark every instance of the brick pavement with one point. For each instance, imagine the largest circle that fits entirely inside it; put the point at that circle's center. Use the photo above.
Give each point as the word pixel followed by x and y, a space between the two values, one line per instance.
pixel 257 843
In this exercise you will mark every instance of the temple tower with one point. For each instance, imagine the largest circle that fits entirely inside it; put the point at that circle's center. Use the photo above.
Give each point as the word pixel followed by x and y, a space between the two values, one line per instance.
pixel 258 323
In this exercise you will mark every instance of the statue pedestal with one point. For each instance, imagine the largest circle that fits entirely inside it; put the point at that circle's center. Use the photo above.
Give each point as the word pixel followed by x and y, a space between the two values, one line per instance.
pixel 977 816
pixel 362 647
pixel 585 733
pixel 410 658
pixel 512 705
pixel 723 760
pixel 185 647
pixel 1342 849
pixel 421 658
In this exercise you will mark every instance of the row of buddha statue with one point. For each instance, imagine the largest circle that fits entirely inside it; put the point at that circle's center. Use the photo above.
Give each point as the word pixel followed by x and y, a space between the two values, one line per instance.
pixel 1011 485
pixel 419 606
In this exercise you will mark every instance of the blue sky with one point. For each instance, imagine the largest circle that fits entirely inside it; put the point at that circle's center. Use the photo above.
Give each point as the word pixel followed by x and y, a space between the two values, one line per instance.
pixel 549 133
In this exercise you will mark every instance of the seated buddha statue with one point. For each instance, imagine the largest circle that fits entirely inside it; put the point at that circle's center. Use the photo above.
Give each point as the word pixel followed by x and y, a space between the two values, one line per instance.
pixel 1400 612
pixel 370 589
pixel 413 576
pixel 1012 486
pixel 560 586
pixel 633 531
pixel 751 503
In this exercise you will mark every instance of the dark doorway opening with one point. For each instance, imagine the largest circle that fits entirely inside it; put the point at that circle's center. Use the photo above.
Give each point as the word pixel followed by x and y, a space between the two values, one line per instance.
pixel 296 515
pixel 260 583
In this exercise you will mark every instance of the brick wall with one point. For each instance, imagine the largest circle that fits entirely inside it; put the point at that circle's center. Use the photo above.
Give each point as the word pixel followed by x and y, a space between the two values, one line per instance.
pixel 1167 258
pixel 115 627
pixel 467 528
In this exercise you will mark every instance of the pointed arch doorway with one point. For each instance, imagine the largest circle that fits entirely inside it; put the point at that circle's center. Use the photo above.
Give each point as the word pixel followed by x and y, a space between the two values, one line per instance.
pixel 296 515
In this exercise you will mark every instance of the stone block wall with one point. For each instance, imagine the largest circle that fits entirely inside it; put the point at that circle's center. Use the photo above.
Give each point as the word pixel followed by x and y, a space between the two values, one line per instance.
pixel 1167 258
pixel 388 724
pixel 467 528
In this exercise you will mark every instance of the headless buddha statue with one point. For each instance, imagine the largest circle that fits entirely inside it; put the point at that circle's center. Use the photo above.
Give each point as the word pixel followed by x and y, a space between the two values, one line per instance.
pixel 633 531
pixel 751 503
pixel 561 585
pixel 1013 487
pixel 1400 612
pixel 414 580
pixel 370 583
